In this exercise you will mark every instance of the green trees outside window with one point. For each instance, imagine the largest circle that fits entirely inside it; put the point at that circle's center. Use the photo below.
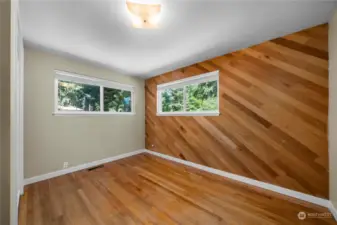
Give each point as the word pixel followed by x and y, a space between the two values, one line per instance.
pixel 202 97
pixel 199 97
pixel 78 97
pixel 84 97
pixel 172 100
pixel 117 100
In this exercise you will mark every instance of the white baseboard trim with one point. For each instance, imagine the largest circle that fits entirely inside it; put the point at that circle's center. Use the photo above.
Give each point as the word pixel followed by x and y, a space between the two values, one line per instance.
pixel 295 194
pixel 79 167
pixel 333 210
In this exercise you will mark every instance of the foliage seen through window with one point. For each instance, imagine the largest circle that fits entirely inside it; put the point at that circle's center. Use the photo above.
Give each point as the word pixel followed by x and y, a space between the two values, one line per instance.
pixel 199 97
pixel 73 96
pixel 172 100
pixel 202 97
pixel 78 97
pixel 117 100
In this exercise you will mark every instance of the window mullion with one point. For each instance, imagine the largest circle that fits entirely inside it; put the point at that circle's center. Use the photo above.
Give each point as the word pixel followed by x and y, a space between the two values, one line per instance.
pixel 185 98
pixel 101 99
pixel 159 101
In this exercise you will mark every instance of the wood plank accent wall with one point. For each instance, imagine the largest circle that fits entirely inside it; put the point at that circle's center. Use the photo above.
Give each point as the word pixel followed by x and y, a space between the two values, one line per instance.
pixel 274 112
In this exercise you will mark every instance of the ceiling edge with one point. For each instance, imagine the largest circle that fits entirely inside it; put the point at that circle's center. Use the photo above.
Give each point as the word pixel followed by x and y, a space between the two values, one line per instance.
pixel 33 45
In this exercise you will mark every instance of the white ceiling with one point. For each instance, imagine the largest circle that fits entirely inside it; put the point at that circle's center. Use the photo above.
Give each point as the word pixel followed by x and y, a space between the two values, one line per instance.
pixel 190 30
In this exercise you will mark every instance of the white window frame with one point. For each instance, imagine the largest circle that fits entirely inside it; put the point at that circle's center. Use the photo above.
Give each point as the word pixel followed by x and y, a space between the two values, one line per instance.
pixel 81 79
pixel 206 77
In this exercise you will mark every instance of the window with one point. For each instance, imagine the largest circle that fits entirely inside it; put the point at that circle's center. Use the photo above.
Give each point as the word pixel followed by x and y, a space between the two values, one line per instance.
pixel 76 94
pixel 197 95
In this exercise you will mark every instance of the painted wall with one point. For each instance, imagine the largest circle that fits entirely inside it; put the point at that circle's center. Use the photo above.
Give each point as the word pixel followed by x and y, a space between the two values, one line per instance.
pixel 51 140
pixel 4 111
pixel 273 114
pixel 333 108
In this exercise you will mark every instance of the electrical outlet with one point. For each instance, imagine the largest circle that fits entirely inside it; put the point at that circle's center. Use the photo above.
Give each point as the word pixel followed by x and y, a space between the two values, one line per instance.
pixel 65 165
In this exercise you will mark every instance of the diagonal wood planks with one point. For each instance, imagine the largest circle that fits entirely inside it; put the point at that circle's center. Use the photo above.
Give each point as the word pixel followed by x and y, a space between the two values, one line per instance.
pixel 274 112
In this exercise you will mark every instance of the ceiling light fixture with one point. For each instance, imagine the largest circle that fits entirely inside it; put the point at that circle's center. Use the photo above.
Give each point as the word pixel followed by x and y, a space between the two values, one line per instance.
pixel 144 13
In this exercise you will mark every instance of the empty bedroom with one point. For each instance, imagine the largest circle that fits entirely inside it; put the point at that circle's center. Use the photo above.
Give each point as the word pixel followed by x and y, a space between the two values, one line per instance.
pixel 118 112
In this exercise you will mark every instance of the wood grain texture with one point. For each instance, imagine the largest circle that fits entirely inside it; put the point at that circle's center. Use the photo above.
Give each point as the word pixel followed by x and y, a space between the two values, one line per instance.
pixel 144 189
pixel 274 112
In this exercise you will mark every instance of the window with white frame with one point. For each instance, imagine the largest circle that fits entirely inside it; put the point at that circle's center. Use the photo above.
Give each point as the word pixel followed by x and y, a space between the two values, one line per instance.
pixel 77 94
pixel 197 95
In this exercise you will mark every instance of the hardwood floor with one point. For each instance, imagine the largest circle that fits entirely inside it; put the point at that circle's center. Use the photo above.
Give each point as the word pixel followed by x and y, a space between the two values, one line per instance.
pixel 144 189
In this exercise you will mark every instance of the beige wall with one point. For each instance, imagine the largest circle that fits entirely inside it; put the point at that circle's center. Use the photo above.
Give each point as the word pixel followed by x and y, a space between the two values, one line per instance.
pixel 51 140
pixel 333 108
pixel 4 111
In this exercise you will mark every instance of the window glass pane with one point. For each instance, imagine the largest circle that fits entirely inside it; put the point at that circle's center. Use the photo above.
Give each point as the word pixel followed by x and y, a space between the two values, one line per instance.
pixel 202 97
pixel 172 100
pixel 78 97
pixel 116 100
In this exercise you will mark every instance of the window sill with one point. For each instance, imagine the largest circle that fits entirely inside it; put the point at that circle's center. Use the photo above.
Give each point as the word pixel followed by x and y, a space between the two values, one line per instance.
pixel 93 113
pixel 189 114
